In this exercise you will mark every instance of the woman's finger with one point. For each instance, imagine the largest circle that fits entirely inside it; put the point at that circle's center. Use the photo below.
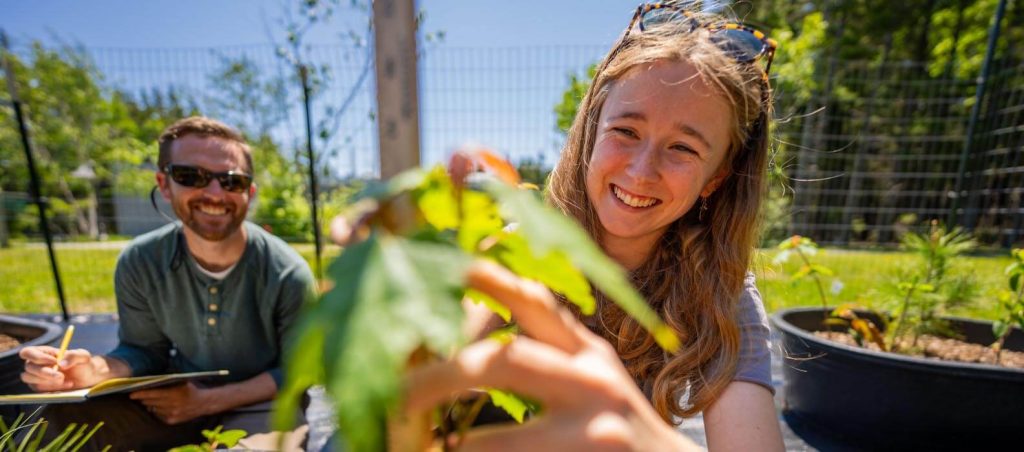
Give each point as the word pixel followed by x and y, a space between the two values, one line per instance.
pixel 524 366
pixel 532 305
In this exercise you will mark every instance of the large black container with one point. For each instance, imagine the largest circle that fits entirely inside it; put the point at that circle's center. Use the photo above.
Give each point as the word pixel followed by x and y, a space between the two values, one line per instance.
pixel 882 400
pixel 29 332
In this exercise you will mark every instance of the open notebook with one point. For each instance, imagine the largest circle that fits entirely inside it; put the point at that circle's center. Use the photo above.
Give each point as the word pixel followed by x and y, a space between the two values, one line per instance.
pixel 112 386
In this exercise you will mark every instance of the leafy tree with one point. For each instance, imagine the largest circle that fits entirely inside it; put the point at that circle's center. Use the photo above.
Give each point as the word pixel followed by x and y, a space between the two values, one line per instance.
pixel 74 122
pixel 565 111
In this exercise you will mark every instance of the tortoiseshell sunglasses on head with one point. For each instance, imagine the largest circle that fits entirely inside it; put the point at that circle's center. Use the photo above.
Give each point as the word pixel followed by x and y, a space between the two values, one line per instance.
pixel 742 43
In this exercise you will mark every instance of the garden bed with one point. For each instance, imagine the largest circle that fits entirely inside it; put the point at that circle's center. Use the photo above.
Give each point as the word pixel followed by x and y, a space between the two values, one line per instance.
pixel 940 348
pixel 8 342
pixel 885 401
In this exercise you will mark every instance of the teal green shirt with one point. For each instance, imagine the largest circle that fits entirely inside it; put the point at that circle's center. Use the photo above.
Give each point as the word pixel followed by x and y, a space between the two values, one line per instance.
pixel 174 318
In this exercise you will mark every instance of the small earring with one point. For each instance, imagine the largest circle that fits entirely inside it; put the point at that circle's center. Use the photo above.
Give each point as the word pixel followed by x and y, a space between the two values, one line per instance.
pixel 703 208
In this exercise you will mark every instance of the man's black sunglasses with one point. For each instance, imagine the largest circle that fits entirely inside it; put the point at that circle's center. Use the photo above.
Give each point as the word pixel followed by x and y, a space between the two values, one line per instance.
pixel 196 177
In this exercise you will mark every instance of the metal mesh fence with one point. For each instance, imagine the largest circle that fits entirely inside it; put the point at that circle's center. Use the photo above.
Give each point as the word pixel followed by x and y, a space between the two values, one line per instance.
pixel 884 154
pixel 880 158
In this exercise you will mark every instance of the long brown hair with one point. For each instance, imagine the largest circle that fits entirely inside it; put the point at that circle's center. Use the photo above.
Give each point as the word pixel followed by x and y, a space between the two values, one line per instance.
pixel 695 274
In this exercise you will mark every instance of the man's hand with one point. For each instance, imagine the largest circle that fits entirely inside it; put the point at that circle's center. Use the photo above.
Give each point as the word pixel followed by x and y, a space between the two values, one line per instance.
pixel 175 404
pixel 78 369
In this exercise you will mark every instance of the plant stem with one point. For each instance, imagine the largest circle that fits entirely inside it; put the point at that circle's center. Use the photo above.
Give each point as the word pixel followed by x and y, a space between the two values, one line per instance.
pixel 817 281
pixel 893 342
pixel 467 421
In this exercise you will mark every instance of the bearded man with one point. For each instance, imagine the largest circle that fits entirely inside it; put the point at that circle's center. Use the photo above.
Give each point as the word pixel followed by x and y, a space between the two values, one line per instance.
pixel 209 292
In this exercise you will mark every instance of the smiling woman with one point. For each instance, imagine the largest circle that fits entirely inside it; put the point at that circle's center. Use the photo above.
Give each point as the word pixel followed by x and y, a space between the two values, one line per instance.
pixel 651 160
pixel 665 167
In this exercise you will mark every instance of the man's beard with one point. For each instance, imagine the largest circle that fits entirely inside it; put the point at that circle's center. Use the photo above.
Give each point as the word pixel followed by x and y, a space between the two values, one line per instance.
pixel 186 211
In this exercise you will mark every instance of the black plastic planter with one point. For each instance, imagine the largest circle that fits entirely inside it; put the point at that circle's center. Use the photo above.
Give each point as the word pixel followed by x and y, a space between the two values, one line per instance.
pixel 882 400
pixel 29 332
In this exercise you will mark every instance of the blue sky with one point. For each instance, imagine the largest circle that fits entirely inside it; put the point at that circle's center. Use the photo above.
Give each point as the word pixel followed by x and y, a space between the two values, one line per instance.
pixel 492 81
pixel 202 23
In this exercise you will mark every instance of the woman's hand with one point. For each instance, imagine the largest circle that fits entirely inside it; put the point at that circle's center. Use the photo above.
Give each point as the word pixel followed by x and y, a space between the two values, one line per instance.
pixel 589 400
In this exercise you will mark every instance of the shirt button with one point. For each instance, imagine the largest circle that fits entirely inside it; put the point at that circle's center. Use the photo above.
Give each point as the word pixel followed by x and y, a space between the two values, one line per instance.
pixel 213 306
pixel 211 321
pixel 213 290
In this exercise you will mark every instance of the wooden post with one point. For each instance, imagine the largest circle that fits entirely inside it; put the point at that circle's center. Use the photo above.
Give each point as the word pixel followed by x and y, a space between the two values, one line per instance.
pixel 397 86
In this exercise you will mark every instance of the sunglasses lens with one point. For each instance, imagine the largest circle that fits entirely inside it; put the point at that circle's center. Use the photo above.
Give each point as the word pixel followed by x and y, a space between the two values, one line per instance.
pixel 741 45
pixel 234 182
pixel 660 16
pixel 189 176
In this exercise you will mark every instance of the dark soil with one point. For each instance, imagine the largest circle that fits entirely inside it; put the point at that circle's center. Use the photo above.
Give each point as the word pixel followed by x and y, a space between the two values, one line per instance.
pixel 941 348
pixel 8 342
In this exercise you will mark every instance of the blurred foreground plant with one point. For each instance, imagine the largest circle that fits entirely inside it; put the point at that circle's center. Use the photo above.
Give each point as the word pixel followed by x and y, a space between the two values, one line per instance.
pixel 396 299
pixel 70 440
pixel 215 439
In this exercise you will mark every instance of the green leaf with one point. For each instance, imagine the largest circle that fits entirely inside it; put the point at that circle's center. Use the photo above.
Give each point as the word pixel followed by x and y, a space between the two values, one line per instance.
pixel 782 257
pixel 304 369
pixel 436 200
pixel 548 230
pixel 514 405
pixel 809 249
pixel 786 245
pixel 553 270
pixel 802 272
pixel 230 438
pixel 306 360
pixel 389 299
pixel 480 219
pixel 821 269
pixel 999 328
pixel 479 297
pixel 1015 282
pixel 211 435
pixel 1014 268
pixel 505 334
pixel 402 182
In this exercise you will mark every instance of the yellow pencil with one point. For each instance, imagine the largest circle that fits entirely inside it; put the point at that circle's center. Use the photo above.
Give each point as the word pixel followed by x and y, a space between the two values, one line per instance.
pixel 64 345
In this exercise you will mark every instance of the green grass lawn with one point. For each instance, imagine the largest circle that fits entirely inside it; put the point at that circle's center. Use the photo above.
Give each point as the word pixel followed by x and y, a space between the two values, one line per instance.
pixel 867 277
pixel 87 272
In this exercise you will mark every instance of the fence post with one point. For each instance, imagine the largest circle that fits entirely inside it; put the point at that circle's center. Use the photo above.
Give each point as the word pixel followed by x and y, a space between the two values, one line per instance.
pixel 979 94
pixel 313 189
pixel 397 86
pixel 35 188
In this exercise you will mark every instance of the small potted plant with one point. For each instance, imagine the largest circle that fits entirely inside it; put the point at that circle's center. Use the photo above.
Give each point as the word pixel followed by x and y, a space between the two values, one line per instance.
pixel 881 381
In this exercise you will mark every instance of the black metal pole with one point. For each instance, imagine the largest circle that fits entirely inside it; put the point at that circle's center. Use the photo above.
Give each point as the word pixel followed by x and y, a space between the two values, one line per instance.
pixel 35 190
pixel 313 192
pixel 972 124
